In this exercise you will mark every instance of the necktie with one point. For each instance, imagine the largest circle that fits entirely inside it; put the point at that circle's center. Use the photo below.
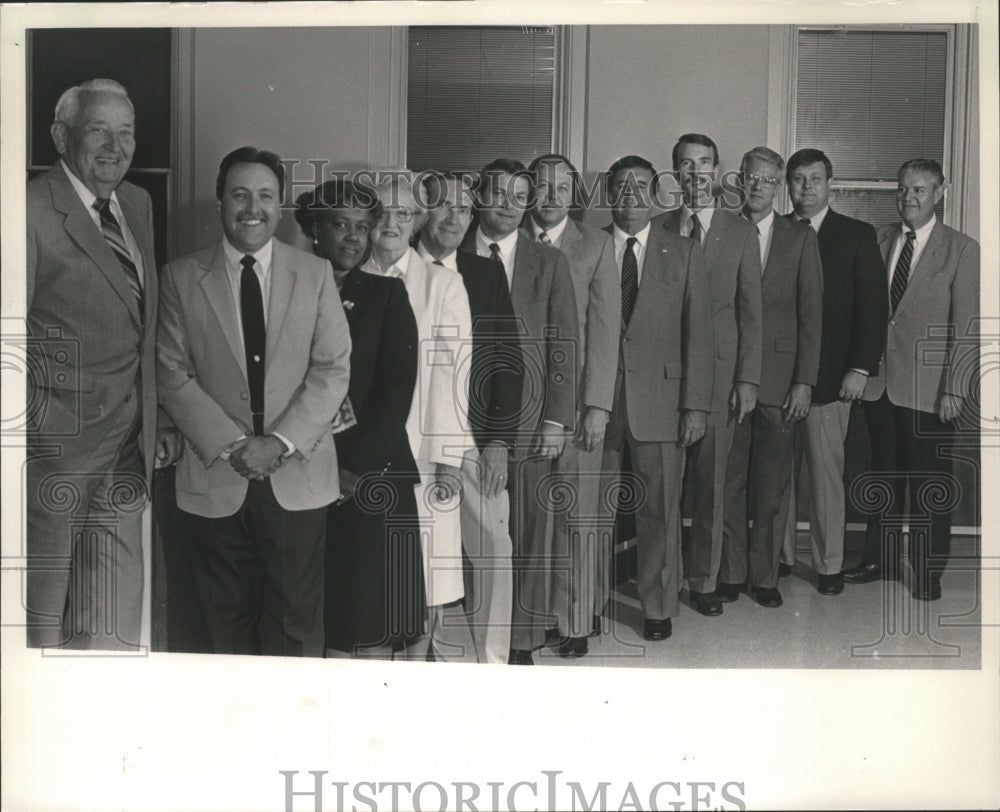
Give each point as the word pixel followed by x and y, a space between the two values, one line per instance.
pixel 439 262
pixel 902 273
pixel 495 256
pixel 630 280
pixel 254 337
pixel 116 241
pixel 695 228
pixel 805 221
pixel 544 238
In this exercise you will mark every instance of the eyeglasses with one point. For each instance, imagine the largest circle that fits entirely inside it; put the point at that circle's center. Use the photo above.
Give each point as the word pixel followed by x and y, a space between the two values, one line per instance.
pixel 402 215
pixel 763 180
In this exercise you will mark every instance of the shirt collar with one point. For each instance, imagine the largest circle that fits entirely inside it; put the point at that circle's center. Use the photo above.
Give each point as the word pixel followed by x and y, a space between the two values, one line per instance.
pixel 765 225
pixel 704 215
pixel 621 237
pixel 506 244
pixel 449 261
pixel 234 256
pixel 555 232
pixel 86 196
pixel 924 231
pixel 815 220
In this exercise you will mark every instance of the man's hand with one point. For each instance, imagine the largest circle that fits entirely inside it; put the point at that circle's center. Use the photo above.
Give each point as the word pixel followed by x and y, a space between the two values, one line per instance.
pixel 348 485
pixel 169 446
pixel 692 427
pixel 853 386
pixel 493 469
pixel 950 407
pixel 591 433
pixel 549 441
pixel 797 402
pixel 742 399
pixel 258 457
pixel 446 483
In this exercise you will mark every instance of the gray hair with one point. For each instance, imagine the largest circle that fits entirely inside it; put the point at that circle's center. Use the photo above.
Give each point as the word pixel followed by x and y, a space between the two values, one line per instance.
pixel 764 154
pixel 928 165
pixel 68 106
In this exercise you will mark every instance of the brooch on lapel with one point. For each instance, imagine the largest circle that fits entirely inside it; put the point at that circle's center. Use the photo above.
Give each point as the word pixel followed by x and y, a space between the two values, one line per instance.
pixel 348 304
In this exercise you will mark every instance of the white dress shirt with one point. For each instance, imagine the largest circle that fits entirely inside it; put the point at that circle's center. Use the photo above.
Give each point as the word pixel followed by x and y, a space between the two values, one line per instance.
pixel 816 220
pixel 919 244
pixel 704 218
pixel 450 261
pixel 508 248
pixel 555 232
pixel 764 228
pixel 638 248
pixel 397 269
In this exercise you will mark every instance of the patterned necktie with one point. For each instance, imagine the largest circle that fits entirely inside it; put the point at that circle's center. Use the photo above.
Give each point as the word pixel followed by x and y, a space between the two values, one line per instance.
pixel 696 228
pixel 254 339
pixel 902 273
pixel 630 280
pixel 544 238
pixel 116 241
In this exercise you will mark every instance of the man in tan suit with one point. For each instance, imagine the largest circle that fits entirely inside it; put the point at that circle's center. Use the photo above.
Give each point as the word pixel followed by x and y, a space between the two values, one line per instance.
pixel 933 280
pixel 252 364
pixel 732 261
pixel 663 387
pixel 581 547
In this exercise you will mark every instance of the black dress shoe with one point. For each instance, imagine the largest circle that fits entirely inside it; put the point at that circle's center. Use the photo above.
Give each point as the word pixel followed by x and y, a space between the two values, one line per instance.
pixel 595 629
pixel 784 569
pixel 830 584
pixel 656 629
pixel 706 603
pixel 573 647
pixel 767 596
pixel 727 593
pixel 520 656
pixel 554 638
pixel 862 573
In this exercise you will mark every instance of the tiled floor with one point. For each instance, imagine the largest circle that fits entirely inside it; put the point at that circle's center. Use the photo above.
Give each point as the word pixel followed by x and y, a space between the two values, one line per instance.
pixel 876 625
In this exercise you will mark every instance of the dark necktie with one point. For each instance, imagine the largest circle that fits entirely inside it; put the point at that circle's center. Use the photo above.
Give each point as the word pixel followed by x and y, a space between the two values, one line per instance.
pixel 630 280
pixel 116 241
pixel 695 228
pixel 495 256
pixel 254 338
pixel 902 273
pixel 805 221
pixel 544 238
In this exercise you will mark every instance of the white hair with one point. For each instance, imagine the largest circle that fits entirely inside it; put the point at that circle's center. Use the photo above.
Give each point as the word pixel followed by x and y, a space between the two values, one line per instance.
pixel 68 106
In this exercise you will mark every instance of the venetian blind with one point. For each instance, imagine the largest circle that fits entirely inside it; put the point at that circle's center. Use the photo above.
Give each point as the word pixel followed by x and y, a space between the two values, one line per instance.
pixel 478 93
pixel 871 99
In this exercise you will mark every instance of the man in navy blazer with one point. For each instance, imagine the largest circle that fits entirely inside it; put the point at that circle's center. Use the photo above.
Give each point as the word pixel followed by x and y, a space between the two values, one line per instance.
pixel 855 304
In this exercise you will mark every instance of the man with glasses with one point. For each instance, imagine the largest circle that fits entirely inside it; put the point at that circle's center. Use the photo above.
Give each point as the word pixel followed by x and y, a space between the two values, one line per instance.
pixel 541 290
pixel 759 469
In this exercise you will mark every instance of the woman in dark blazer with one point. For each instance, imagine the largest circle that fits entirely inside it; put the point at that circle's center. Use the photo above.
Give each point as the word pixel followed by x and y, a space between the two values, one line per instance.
pixel 374 580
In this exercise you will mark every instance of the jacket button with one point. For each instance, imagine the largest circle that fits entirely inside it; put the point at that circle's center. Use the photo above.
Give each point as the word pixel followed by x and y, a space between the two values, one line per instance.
pixel 244 396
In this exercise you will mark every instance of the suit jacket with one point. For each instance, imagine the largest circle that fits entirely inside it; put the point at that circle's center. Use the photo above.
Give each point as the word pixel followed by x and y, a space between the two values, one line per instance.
pixel 591 256
pixel 732 263
pixel 932 340
pixel 201 369
pixel 855 302
pixel 383 375
pixel 497 366
pixel 792 299
pixel 667 355
pixel 89 340
pixel 545 306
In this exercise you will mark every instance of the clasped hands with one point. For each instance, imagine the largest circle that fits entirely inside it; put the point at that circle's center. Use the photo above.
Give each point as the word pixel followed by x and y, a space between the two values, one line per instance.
pixel 256 457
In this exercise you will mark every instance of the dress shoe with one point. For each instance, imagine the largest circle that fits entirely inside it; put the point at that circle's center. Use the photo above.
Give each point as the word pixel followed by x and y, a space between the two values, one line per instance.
pixel 554 638
pixel 520 656
pixel 927 591
pixel 784 569
pixel 767 596
pixel 573 647
pixel 656 629
pixel 727 593
pixel 862 573
pixel 830 584
pixel 595 629
pixel 706 603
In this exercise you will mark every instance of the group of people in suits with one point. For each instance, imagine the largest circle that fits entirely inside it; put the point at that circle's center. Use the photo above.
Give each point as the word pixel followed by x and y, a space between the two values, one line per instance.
pixel 414 442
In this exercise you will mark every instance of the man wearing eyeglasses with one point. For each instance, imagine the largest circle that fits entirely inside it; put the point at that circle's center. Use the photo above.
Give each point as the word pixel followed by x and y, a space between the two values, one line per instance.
pixel 732 262
pixel 494 403
pixel 541 290
pixel 758 475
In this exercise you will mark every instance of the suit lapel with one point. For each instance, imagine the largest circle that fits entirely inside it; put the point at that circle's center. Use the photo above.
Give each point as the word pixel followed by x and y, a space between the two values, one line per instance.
pixel 87 235
pixel 569 242
pixel 526 267
pixel 215 284
pixel 135 217
pixel 283 276
pixel 654 260
pixel 924 267
pixel 779 238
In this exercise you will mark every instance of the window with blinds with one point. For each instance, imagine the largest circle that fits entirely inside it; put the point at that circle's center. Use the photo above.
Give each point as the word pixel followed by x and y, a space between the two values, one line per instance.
pixel 871 100
pixel 478 93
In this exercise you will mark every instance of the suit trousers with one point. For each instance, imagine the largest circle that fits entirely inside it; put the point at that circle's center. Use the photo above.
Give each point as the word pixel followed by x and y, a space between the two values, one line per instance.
pixel 758 479
pixel 259 576
pixel 489 579
pixel 906 452
pixel 658 469
pixel 581 543
pixel 84 541
pixel 705 479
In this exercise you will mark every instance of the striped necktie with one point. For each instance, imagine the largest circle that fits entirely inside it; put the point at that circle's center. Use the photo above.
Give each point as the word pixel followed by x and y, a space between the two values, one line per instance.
pixel 902 273
pixel 116 241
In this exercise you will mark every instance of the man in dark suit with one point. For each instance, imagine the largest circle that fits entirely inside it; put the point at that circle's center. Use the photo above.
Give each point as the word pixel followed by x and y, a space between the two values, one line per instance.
pixel 541 291
pixel 762 452
pixel 933 282
pixel 91 305
pixel 494 404
pixel 855 304
pixel 581 548
pixel 732 261
pixel 663 387
pixel 252 363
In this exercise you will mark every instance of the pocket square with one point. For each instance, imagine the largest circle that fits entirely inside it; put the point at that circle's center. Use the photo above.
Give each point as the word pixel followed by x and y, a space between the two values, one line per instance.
pixel 344 418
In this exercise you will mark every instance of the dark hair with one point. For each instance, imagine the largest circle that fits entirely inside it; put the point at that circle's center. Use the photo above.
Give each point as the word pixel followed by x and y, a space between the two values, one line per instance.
pixel 928 165
pixel 249 155
pixel 556 158
pixel 808 157
pixel 694 138
pixel 631 162
pixel 499 166
pixel 337 193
